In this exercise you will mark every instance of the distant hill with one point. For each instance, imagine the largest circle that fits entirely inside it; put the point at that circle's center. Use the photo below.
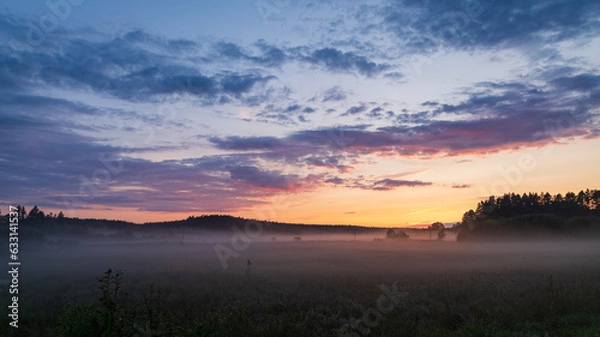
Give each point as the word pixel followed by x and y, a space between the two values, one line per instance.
pixel 225 222
pixel 40 227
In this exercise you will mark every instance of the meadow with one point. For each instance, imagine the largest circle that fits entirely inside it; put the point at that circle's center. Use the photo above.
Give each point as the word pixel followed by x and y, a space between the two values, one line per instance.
pixel 311 288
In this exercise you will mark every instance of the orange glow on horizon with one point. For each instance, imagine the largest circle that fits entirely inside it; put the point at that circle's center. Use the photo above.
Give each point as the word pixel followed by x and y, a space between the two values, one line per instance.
pixel 442 201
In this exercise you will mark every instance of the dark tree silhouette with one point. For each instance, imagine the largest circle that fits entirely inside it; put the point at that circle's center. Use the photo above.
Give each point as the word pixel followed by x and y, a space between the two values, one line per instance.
pixel 439 227
pixel 22 212
pixel 534 211
pixel 390 233
pixel 510 205
pixel 36 213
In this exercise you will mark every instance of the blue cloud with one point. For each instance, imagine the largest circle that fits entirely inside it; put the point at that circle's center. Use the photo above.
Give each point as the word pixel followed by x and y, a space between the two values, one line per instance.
pixel 335 60
pixel 582 82
pixel 334 94
pixel 515 115
pixel 261 178
pixel 270 56
pixel 428 26
pixel 355 110
pixel 246 143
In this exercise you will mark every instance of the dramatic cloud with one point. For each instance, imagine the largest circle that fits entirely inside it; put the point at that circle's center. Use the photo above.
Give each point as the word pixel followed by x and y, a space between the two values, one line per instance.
pixel 138 66
pixel 507 119
pixel 221 114
pixel 429 25
pixel 140 76
pixel 48 163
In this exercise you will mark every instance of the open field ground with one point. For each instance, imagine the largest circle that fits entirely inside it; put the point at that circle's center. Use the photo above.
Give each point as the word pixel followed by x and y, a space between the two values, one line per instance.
pixel 312 288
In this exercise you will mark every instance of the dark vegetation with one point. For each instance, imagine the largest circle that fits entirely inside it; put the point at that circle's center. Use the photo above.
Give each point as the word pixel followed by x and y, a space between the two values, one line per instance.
pixel 510 216
pixel 396 235
pixel 532 215
pixel 36 226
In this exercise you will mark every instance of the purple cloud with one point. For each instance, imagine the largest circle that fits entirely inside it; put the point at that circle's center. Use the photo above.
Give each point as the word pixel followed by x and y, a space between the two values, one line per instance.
pixel 389 184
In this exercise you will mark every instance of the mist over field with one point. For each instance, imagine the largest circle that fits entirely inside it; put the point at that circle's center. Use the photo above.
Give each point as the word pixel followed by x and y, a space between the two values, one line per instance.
pixel 318 285
pixel 326 256
pixel 517 264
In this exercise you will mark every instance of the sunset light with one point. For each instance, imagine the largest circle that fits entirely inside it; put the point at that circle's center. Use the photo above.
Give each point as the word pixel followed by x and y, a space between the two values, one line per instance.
pixel 378 114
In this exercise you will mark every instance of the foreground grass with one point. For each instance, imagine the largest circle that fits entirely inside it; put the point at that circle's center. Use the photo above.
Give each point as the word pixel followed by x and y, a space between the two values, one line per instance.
pixel 311 302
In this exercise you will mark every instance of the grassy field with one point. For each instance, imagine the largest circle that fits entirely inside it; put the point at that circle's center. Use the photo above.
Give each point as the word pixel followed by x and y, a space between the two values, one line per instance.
pixel 305 288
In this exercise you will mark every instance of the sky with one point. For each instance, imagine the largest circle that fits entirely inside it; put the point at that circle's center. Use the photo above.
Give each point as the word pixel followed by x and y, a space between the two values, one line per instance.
pixel 375 113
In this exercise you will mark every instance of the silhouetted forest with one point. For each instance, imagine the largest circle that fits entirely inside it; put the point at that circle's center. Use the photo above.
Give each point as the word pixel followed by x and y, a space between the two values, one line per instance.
pixel 39 226
pixel 532 212
pixel 510 215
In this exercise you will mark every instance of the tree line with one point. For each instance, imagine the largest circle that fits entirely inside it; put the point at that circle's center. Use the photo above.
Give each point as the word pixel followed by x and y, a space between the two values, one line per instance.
pixel 529 212
pixel 510 205
pixel 35 213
